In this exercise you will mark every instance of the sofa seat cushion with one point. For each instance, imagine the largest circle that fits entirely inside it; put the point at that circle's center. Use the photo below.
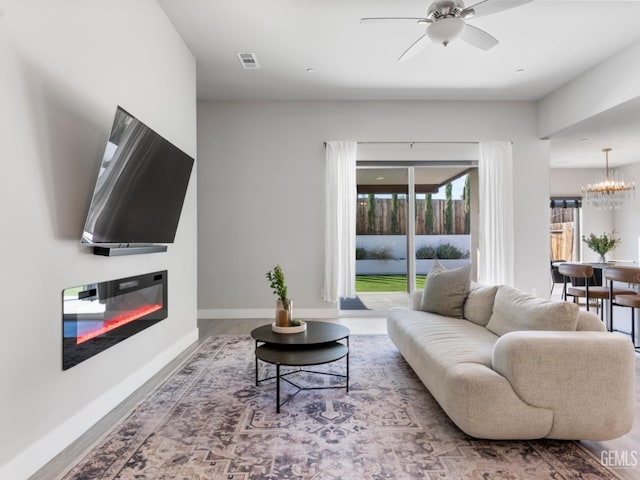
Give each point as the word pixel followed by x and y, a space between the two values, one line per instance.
pixel 450 341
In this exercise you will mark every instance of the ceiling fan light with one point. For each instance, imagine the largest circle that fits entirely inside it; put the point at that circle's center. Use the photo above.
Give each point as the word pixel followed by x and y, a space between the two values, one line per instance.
pixel 445 30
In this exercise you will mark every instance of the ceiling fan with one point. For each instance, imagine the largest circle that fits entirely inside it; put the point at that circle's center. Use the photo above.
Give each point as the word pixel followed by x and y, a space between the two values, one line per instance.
pixel 446 20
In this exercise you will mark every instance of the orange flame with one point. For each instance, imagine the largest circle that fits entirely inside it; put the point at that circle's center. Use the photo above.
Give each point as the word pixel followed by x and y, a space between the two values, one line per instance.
pixel 118 321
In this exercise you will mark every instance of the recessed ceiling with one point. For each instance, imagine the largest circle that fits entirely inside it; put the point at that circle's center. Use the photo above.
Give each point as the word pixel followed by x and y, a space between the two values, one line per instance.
pixel 543 45
pixel 581 145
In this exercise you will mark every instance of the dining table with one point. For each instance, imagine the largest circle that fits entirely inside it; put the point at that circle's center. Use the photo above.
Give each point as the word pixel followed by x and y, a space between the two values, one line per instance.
pixel 598 278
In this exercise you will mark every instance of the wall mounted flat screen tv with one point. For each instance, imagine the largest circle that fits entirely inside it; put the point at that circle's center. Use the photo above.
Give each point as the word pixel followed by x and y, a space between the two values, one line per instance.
pixel 140 189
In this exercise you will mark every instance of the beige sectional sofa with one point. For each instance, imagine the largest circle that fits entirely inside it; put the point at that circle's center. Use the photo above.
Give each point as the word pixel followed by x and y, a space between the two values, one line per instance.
pixel 518 367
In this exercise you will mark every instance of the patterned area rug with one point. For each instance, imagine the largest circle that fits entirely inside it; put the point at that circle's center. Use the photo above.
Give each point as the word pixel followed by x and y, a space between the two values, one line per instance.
pixel 209 421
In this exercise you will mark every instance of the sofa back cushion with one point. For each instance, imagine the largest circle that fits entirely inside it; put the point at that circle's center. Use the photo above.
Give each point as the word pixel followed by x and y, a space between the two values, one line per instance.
pixel 445 291
pixel 415 300
pixel 479 305
pixel 514 310
pixel 589 322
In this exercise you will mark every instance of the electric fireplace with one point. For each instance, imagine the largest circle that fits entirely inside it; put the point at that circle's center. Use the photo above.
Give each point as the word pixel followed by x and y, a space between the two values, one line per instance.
pixel 97 316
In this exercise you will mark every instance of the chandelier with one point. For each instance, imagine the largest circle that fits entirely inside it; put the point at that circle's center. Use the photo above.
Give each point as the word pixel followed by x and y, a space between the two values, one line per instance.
pixel 611 193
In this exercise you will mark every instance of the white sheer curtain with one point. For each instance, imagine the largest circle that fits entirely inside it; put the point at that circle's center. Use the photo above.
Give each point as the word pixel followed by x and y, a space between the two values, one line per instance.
pixel 340 221
pixel 496 252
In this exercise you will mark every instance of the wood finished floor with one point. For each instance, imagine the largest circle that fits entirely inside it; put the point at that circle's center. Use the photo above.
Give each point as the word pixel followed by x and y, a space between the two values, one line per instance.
pixel 359 326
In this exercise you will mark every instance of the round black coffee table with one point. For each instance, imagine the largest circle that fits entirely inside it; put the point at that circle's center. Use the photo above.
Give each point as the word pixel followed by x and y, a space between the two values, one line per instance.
pixel 318 345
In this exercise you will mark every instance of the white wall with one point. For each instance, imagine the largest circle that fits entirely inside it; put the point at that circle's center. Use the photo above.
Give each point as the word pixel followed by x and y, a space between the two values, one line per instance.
pixel 396 245
pixel 610 83
pixel 65 65
pixel 261 188
pixel 625 220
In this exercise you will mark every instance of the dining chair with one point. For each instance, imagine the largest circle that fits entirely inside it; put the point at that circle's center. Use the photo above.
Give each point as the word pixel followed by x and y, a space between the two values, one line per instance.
pixel 556 277
pixel 624 297
pixel 574 271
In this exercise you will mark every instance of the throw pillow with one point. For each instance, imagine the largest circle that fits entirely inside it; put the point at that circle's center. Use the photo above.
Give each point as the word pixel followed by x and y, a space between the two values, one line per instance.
pixel 515 310
pixel 446 290
pixel 479 305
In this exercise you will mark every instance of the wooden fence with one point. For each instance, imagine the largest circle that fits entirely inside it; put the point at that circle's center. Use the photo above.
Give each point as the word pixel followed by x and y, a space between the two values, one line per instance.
pixel 383 217
pixel 562 241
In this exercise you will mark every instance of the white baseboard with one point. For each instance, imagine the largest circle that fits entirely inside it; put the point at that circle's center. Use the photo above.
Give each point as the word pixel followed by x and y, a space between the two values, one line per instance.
pixel 38 454
pixel 362 313
pixel 266 313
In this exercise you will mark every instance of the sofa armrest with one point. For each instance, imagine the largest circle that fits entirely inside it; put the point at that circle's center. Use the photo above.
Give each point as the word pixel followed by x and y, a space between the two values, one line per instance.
pixel 584 378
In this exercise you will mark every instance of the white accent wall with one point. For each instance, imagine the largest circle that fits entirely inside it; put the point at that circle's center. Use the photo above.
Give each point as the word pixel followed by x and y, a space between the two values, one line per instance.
pixel 261 188
pixel 626 220
pixel 65 66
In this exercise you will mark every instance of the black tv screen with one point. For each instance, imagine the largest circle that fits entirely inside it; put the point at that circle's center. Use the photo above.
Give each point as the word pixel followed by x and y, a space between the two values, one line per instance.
pixel 140 188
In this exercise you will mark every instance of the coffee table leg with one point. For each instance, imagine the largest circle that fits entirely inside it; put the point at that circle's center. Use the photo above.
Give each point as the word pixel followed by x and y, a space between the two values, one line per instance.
pixel 347 364
pixel 256 355
pixel 277 388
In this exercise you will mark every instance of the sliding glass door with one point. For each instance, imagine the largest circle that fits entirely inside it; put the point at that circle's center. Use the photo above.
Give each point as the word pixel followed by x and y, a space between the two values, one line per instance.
pixel 406 218
pixel 381 239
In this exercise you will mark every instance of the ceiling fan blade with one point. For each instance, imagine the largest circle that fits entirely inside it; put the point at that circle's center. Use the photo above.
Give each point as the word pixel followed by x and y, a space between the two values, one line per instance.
pixel 383 19
pixel 487 7
pixel 415 48
pixel 478 38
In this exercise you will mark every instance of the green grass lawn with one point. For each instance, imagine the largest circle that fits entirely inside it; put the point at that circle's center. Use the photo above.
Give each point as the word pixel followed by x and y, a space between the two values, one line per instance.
pixel 73 292
pixel 385 283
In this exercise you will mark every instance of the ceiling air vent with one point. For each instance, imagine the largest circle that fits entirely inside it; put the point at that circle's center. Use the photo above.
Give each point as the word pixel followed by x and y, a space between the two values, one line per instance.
pixel 248 61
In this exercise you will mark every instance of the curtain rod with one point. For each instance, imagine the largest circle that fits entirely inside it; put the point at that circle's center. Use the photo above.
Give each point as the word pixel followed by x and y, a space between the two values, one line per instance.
pixel 411 143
